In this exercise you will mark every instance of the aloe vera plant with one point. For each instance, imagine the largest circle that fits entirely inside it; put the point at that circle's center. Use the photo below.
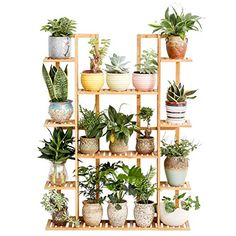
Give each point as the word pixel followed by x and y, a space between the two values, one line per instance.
pixel 57 83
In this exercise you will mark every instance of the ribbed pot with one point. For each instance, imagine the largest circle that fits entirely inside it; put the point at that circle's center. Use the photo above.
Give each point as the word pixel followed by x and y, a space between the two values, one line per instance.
pixel 144 214
pixel 92 213
pixel 60 112
pixel 118 82
pixel 176 170
pixel 88 145
pixel 92 81
pixel 58 216
pixel 117 217
pixel 176 112
pixel 176 47
pixel 143 82
pixel 118 147
pixel 59 47
pixel 145 145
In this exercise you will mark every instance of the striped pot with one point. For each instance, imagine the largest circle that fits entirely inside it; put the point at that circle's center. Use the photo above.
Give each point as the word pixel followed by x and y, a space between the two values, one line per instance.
pixel 59 47
pixel 176 112
pixel 118 82
pixel 92 81
pixel 143 82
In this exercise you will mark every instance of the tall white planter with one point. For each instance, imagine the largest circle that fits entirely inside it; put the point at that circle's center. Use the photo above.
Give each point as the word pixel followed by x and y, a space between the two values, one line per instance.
pixel 176 112
pixel 118 82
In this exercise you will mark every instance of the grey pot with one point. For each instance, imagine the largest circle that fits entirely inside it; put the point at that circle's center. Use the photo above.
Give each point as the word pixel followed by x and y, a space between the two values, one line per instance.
pixel 117 217
pixel 145 145
pixel 59 47
pixel 118 147
pixel 88 145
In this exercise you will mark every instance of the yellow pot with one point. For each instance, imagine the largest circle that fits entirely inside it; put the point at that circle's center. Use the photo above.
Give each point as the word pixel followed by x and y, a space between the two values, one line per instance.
pixel 92 81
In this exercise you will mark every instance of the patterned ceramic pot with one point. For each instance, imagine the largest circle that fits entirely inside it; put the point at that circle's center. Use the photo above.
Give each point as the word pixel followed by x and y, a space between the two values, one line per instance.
pixel 144 214
pixel 145 145
pixel 176 170
pixel 57 174
pixel 176 47
pixel 88 145
pixel 58 216
pixel 176 112
pixel 59 47
pixel 92 213
pixel 117 217
pixel 118 147
pixel 60 111
pixel 143 82
pixel 92 81
pixel 118 82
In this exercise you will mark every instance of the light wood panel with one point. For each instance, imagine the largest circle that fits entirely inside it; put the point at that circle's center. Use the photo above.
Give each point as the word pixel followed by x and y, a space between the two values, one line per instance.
pixel 112 92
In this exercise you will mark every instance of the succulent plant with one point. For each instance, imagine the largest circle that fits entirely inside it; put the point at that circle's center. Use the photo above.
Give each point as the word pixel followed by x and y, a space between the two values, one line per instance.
pixel 177 93
pixel 118 65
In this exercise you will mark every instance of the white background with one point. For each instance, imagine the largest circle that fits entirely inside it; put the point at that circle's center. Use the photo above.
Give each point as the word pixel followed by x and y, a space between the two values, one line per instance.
pixel 24 102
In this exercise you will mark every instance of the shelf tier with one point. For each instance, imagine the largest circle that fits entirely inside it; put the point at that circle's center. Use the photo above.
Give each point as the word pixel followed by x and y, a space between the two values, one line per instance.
pixel 104 225
pixel 166 59
pixel 50 123
pixel 69 185
pixel 168 126
pixel 165 186
pixel 111 92
pixel 48 59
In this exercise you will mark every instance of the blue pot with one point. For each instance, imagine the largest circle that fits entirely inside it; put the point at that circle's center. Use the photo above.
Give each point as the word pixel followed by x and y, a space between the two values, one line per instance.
pixel 60 112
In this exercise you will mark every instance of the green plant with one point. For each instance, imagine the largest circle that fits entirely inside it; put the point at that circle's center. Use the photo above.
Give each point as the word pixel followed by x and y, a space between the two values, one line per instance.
pixel 186 203
pixel 177 24
pixel 57 83
pixel 118 65
pixel 97 53
pixel 145 114
pixel 59 148
pixel 177 93
pixel 93 123
pixel 61 27
pixel 179 150
pixel 148 63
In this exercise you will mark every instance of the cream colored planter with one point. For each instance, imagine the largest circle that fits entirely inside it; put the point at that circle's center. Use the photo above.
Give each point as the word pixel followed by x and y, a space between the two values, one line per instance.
pixel 118 82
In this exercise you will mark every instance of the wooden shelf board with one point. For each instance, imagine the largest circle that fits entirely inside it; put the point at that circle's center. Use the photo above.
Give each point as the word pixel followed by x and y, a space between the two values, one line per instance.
pixel 69 185
pixel 166 59
pixel 85 35
pixel 168 126
pixel 50 123
pixel 165 186
pixel 181 227
pixel 48 59
pixel 148 35
pixel 111 92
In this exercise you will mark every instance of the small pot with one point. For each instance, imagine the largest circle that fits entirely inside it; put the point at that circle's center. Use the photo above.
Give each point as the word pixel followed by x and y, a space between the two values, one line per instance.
pixel 58 216
pixel 176 218
pixel 118 82
pixel 118 147
pixel 57 174
pixel 60 112
pixel 143 82
pixel 144 214
pixel 145 145
pixel 92 81
pixel 176 170
pixel 176 112
pixel 88 145
pixel 117 217
pixel 176 47
pixel 59 47
pixel 92 213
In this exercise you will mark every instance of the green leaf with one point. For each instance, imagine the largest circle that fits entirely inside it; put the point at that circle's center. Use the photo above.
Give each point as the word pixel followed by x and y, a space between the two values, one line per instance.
pixel 61 85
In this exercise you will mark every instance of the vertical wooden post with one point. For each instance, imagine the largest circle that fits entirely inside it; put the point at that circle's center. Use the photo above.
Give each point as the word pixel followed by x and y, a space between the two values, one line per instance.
pixel 57 64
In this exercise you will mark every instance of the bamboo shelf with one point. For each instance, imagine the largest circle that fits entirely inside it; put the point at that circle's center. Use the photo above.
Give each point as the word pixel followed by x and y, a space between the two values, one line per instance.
pixel 69 185
pixel 165 186
pixel 166 59
pixel 165 125
pixel 50 123
pixel 53 60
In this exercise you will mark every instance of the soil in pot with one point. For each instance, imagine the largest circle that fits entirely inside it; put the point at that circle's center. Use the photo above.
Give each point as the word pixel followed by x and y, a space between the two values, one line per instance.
pixel 57 174
pixel 176 47
pixel 58 216
pixel 176 112
pixel 143 82
pixel 118 147
pixel 88 145
pixel 145 145
pixel 92 81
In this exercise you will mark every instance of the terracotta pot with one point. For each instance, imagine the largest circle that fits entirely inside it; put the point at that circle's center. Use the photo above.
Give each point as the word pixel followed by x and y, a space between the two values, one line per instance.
pixel 88 145
pixel 57 217
pixel 176 47
pixel 176 170
pixel 176 112
pixel 118 82
pixel 118 147
pixel 145 145
pixel 143 82
pixel 59 47
pixel 92 81
pixel 92 213
pixel 57 174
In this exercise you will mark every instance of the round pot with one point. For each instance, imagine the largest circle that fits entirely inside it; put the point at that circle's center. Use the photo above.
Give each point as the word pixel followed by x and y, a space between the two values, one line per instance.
pixel 118 147
pixel 58 216
pixel 57 174
pixel 118 82
pixel 144 214
pixel 60 112
pixel 176 47
pixel 145 145
pixel 117 217
pixel 92 81
pixel 92 213
pixel 176 170
pixel 88 145
pixel 59 47
pixel 143 82
pixel 176 112
pixel 176 218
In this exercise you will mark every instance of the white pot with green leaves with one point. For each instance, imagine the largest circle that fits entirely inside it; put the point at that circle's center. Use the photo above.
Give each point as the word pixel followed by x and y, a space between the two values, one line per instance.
pixel 118 76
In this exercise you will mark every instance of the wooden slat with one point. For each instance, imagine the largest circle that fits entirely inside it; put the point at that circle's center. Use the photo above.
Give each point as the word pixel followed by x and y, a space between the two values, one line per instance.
pixel 165 186
pixel 181 227
pixel 111 92
pixel 54 60
pixel 148 35
pixel 85 35
pixel 69 185
pixel 50 123
pixel 166 59
pixel 169 126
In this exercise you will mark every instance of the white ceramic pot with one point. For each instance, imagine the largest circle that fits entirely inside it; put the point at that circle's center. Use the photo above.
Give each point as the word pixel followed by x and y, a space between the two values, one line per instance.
pixel 59 47
pixel 176 112
pixel 118 82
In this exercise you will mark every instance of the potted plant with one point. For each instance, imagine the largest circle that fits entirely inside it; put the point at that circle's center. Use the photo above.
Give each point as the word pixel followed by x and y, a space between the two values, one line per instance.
pixel 144 78
pixel 145 143
pixel 93 79
pixel 60 108
pixel 59 43
pixel 93 123
pixel 58 150
pixel 176 216
pixel 176 102
pixel 175 26
pixel 176 162
pixel 118 76
pixel 119 129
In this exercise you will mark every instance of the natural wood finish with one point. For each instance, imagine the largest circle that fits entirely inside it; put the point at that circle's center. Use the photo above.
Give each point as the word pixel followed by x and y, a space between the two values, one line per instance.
pixel 69 185
pixel 168 126
pixel 165 186
pixel 80 36
pixel 148 36
pixel 181 227
pixel 54 60
pixel 112 92
pixel 166 59
pixel 50 123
